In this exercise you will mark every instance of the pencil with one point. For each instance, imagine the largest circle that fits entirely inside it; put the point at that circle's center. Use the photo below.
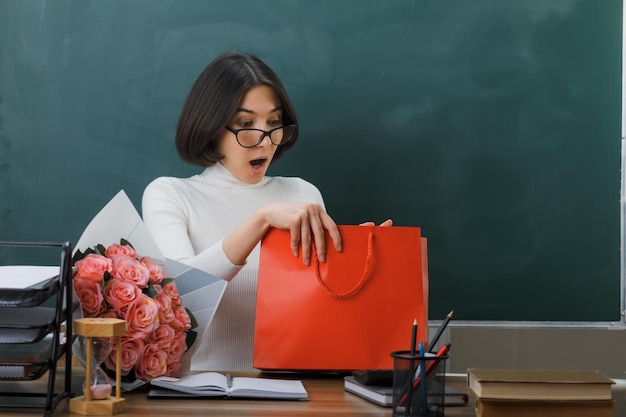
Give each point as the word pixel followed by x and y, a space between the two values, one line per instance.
pixel 409 392
pixel 414 337
pixel 433 343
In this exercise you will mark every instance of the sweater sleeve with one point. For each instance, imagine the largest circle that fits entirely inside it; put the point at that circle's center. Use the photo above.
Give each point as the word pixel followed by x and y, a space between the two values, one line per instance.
pixel 164 214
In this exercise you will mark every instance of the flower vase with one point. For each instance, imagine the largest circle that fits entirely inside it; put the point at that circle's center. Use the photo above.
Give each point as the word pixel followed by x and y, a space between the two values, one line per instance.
pixel 100 383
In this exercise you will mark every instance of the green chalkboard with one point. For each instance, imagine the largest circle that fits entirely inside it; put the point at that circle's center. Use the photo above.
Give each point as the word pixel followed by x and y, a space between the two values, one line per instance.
pixel 495 125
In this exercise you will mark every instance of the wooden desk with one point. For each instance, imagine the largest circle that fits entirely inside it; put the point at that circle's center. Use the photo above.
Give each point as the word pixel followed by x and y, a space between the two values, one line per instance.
pixel 326 398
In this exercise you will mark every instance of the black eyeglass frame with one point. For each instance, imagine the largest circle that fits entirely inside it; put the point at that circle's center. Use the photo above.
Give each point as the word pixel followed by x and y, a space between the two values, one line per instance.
pixel 264 133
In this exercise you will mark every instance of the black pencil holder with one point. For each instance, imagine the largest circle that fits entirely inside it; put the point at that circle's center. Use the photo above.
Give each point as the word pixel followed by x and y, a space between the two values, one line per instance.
pixel 418 385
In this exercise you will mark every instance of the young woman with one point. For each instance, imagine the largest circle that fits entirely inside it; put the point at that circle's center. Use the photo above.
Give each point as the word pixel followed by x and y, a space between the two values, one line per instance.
pixel 236 121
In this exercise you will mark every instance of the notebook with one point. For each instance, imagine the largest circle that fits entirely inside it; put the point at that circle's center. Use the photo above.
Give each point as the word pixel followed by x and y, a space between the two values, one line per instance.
pixel 215 384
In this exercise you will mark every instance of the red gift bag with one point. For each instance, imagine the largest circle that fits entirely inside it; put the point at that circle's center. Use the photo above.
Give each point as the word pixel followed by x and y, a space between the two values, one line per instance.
pixel 348 313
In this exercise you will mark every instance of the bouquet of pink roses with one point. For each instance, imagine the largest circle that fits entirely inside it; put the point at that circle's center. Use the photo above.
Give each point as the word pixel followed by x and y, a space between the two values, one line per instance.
pixel 115 282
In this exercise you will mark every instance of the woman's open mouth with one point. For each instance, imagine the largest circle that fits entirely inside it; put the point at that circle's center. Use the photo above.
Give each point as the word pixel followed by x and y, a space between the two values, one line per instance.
pixel 258 163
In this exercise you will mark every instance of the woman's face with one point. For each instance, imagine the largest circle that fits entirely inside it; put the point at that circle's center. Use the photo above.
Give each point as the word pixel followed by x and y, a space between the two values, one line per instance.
pixel 260 108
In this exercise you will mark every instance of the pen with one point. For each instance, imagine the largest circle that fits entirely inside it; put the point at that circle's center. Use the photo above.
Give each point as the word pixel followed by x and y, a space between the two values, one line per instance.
pixel 431 345
pixel 424 401
pixel 229 380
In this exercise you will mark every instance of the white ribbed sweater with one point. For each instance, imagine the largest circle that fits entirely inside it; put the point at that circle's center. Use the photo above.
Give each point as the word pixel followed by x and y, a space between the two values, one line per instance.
pixel 189 218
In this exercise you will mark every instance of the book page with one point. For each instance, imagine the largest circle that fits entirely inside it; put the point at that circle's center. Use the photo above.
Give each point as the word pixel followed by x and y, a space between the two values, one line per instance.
pixel 201 382
pixel 215 383
pixel 24 276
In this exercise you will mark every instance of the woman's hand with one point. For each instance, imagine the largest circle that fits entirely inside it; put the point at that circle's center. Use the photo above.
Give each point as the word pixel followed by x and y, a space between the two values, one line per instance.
pixel 387 222
pixel 307 224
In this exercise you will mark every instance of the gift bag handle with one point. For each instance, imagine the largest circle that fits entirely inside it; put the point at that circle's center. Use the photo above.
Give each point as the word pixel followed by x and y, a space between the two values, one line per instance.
pixel 369 265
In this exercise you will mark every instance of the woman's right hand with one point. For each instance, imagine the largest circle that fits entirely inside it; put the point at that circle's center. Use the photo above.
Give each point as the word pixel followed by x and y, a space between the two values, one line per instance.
pixel 308 224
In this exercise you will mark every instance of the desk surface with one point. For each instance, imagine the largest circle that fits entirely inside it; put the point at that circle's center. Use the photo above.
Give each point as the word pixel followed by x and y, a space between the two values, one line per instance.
pixel 326 398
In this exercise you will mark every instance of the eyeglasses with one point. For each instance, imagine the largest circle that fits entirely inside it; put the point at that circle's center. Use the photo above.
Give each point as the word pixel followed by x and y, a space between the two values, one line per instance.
pixel 249 138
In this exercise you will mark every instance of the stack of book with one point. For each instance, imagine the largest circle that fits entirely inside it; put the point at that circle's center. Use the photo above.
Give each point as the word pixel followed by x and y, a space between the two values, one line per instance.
pixel 554 393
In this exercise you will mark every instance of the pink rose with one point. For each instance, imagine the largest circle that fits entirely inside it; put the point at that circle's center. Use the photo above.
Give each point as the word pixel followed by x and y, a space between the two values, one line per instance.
pixel 142 317
pixel 120 294
pixel 156 272
pixel 166 313
pixel 152 364
pixel 90 296
pixel 93 267
pixel 113 314
pixel 131 270
pixel 181 320
pixel 116 250
pixel 178 346
pixel 171 290
pixel 162 337
pixel 173 369
pixel 132 350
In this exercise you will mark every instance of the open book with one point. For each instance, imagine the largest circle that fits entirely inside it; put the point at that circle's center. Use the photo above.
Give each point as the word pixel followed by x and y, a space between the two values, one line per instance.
pixel 215 384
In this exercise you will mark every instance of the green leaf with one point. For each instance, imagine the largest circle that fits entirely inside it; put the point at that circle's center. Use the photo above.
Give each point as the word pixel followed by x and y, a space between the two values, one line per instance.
pixel 166 281
pixel 81 255
pixel 126 242
pixel 194 322
pixel 191 338
pixel 78 256
pixel 150 291
pixel 100 249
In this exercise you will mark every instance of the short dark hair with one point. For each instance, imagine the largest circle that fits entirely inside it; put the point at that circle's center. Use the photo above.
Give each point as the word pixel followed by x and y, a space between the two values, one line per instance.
pixel 214 99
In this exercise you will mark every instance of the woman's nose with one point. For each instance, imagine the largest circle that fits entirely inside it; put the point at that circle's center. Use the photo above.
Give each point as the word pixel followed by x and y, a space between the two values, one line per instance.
pixel 265 140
